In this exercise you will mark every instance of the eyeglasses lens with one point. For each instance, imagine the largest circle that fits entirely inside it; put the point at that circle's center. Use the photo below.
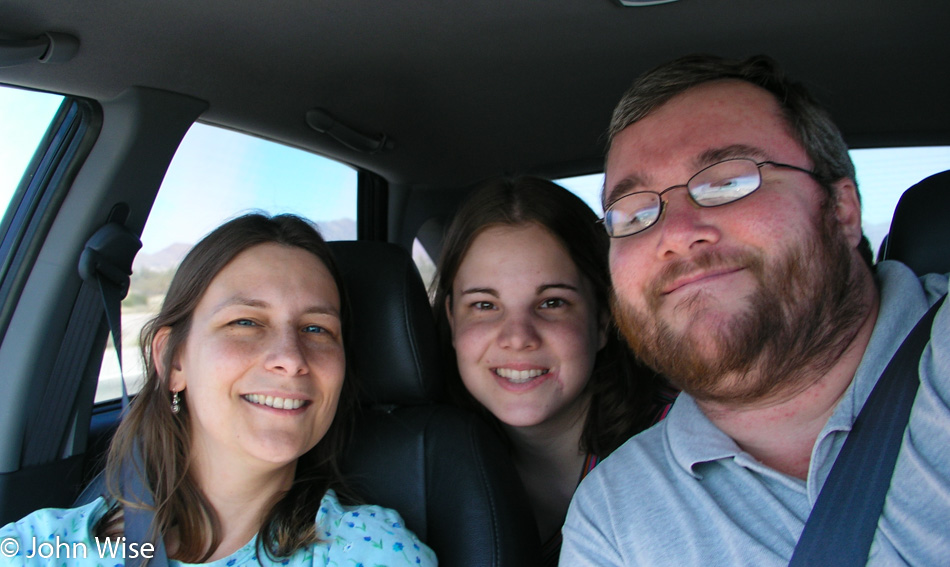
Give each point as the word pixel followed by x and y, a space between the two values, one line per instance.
pixel 724 182
pixel 631 214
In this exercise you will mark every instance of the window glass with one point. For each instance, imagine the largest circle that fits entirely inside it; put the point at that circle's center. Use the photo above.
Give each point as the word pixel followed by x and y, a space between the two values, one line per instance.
pixel 217 175
pixel 424 263
pixel 883 174
pixel 587 187
pixel 24 118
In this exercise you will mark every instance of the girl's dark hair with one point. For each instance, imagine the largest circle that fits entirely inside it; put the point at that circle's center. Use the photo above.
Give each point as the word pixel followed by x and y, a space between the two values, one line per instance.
pixel 623 392
pixel 163 437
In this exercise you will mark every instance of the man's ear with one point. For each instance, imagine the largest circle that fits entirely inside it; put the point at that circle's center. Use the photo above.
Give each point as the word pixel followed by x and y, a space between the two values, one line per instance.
pixel 176 382
pixel 848 210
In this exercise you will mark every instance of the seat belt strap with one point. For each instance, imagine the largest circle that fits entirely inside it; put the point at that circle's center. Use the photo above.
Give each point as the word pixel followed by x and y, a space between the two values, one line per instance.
pixel 841 526
pixel 50 422
pixel 112 294
pixel 138 520
pixel 105 266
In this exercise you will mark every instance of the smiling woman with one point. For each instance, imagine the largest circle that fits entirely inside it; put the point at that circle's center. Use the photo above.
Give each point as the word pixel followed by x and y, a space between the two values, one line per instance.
pixel 243 416
pixel 280 340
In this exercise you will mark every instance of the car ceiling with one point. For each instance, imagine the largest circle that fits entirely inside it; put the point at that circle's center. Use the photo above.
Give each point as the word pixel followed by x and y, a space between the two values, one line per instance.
pixel 469 90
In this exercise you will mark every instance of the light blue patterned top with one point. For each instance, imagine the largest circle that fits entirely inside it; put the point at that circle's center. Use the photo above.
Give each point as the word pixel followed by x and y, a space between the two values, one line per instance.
pixel 350 536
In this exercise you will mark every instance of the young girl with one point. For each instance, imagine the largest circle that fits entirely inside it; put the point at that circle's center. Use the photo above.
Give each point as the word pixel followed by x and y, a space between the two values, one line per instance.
pixel 522 299
pixel 239 427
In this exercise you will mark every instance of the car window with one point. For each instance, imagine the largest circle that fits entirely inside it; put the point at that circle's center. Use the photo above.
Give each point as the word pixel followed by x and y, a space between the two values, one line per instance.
pixel 587 187
pixel 883 175
pixel 24 117
pixel 424 263
pixel 216 175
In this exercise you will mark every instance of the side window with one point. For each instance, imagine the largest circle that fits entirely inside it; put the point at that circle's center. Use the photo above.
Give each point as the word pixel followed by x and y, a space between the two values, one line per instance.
pixel 424 263
pixel 24 118
pixel 587 187
pixel 217 175
pixel 883 176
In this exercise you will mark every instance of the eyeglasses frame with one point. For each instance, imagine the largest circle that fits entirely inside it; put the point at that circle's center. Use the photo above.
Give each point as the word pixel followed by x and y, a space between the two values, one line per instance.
pixel 758 165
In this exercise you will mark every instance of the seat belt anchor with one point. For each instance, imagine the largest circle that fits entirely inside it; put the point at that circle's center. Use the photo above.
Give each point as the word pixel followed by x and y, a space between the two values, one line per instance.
pixel 108 254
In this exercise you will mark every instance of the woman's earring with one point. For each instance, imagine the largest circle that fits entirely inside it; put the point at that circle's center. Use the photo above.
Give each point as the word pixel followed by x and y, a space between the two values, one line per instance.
pixel 176 403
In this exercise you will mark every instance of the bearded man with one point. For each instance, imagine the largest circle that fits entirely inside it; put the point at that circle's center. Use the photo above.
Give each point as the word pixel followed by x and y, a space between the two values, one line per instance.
pixel 741 273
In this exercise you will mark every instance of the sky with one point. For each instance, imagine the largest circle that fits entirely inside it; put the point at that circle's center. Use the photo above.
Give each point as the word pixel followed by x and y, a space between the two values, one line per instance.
pixel 24 116
pixel 218 174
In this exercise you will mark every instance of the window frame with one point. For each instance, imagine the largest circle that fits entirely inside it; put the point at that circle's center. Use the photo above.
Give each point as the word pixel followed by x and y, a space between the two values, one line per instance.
pixel 36 202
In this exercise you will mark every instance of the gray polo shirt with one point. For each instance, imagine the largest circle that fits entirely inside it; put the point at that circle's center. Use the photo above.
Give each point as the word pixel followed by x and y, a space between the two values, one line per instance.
pixel 683 492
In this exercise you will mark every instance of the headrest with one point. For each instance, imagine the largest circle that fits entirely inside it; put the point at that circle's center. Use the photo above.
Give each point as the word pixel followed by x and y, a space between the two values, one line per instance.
pixel 920 229
pixel 394 350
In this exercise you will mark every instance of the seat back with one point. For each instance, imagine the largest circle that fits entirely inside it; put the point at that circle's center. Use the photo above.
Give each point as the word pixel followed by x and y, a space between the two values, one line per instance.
pixel 920 229
pixel 444 469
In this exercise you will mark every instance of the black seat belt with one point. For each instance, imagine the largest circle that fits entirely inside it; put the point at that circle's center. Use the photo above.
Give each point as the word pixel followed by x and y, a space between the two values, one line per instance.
pixel 841 526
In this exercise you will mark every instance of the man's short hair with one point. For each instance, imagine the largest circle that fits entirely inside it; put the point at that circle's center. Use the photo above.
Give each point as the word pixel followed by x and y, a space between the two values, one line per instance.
pixel 808 122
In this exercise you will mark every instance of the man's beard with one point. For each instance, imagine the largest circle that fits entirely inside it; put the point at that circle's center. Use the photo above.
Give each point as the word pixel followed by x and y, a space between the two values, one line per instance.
pixel 800 319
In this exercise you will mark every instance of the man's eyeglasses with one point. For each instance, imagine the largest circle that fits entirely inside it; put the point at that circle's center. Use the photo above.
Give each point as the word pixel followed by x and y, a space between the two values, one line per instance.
pixel 718 184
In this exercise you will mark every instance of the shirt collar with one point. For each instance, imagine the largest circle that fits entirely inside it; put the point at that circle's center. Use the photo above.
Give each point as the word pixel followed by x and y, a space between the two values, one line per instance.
pixel 693 439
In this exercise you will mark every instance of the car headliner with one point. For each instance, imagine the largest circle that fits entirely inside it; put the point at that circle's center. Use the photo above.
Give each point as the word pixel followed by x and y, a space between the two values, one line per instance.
pixel 474 89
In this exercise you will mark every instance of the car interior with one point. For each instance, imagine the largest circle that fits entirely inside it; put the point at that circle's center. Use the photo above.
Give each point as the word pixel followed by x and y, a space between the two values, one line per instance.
pixel 420 101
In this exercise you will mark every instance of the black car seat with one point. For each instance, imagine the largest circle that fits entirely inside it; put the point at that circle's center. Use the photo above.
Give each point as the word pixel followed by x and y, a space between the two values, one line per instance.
pixel 920 230
pixel 444 469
